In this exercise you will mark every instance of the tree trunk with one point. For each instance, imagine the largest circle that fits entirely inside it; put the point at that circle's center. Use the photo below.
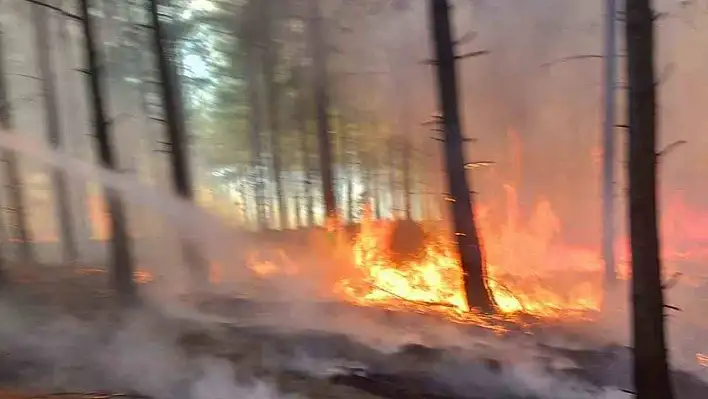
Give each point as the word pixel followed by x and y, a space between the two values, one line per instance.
pixel 273 115
pixel 393 184
pixel 407 183
pixel 319 56
pixel 466 234
pixel 18 225
pixel 608 146
pixel 651 369
pixel 121 257
pixel 177 136
pixel 252 80
pixel 301 117
pixel 348 169
pixel 67 236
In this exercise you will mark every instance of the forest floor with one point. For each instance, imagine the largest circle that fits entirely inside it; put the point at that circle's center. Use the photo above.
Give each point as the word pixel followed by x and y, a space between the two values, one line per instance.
pixel 61 336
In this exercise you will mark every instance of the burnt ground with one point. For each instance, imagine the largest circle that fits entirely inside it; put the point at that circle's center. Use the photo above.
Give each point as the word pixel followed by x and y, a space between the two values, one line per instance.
pixel 63 335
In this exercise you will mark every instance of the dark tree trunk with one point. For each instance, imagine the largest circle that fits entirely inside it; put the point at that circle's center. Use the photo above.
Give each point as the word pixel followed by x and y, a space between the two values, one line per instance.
pixel 18 225
pixel 67 236
pixel 121 257
pixel 177 135
pixel 651 369
pixel 466 235
pixel 319 56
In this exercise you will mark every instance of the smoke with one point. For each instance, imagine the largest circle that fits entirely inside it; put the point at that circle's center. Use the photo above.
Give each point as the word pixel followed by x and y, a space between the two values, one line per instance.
pixel 57 353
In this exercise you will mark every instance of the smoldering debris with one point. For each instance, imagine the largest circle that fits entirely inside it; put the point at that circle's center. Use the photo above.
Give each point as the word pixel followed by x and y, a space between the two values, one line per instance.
pixel 182 355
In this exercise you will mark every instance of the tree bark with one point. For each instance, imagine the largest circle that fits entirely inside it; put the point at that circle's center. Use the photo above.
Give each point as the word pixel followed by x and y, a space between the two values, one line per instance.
pixel 256 117
pixel 651 368
pixel 273 115
pixel 466 235
pixel 319 56
pixel 67 236
pixel 18 226
pixel 177 136
pixel 121 257
pixel 608 145
pixel 302 118
pixel 407 178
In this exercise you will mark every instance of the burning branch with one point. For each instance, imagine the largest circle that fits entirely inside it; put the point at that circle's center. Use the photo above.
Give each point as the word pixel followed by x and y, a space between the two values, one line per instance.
pixel 421 303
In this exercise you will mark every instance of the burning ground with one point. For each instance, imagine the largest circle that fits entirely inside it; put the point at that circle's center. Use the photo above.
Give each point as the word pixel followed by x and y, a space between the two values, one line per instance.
pixel 376 325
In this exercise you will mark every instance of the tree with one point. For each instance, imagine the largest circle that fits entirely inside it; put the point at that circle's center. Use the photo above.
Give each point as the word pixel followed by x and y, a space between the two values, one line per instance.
pixel 608 153
pixel 18 225
pixel 651 369
pixel 272 93
pixel 301 111
pixel 67 235
pixel 177 134
pixel 466 235
pixel 319 58
pixel 121 257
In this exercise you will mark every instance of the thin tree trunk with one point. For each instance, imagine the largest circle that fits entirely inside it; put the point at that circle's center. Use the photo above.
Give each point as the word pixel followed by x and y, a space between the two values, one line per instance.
pixel 67 236
pixel 392 178
pixel 73 135
pixel 651 368
pixel 121 257
pixel 608 140
pixel 466 234
pixel 305 150
pixel 252 79
pixel 18 225
pixel 273 114
pixel 177 136
pixel 407 189
pixel 319 56
pixel 348 169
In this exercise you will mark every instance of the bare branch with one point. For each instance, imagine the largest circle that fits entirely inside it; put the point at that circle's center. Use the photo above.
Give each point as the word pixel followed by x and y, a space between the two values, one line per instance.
pixel 478 164
pixel 471 54
pixel 572 58
pixel 672 281
pixel 671 147
pixel 55 8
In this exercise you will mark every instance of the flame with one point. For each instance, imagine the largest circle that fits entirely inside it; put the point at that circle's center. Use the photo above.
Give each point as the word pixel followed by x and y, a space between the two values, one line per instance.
pixel 516 256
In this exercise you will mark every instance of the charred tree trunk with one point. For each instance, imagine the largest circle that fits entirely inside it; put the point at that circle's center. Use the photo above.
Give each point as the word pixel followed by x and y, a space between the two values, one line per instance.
pixel 466 235
pixel 319 56
pixel 121 257
pixel 18 225
pixel 67 236
pixel 177 135
pixel 651 369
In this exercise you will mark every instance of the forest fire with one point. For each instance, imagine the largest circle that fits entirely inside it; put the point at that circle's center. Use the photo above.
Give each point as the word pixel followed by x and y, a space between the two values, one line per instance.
pixel 528 271
pixel 516 258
